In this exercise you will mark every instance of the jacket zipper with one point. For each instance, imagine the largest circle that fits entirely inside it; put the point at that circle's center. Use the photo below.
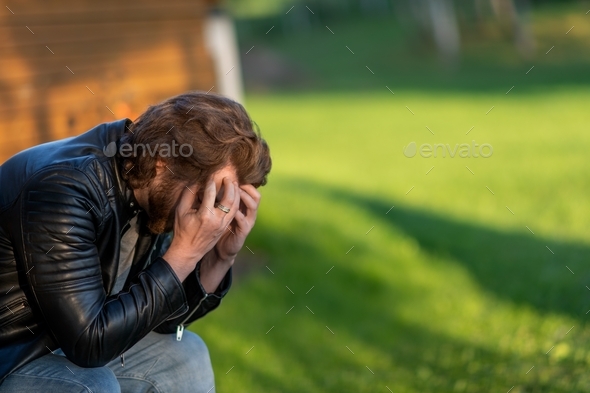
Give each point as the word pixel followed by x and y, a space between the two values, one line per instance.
pixel 125 227
pixel 180 328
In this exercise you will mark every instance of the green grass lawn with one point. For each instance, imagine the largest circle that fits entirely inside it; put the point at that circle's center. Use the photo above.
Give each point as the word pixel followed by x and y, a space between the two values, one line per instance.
pixel 415 274
pixel 449 289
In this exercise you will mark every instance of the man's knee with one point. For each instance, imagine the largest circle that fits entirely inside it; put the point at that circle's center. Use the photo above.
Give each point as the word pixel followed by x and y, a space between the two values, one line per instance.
pixel 76 379
pixel 99 380
pixel 190 352
pixel 193 346
pixel 193 368
pixel 171 365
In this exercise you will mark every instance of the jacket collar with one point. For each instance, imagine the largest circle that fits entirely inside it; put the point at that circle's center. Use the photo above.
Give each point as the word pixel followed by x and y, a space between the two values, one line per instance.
pixel 127 198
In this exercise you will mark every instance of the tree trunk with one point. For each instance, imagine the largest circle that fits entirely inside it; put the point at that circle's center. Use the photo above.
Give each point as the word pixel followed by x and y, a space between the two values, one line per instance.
pixel 445 30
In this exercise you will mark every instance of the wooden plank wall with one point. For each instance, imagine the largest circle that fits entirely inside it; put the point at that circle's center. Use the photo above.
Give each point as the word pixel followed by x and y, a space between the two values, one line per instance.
pixel 68 65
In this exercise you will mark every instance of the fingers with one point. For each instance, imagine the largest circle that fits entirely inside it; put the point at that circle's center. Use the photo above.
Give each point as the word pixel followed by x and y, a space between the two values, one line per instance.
pixel 236 191
pixel 251 198
pixel 209 195
pixel 250 203
pixel 245 218
pixel 187 199
pixel 241 221
pixel 230 199
pixel 252 192
pixel 229 193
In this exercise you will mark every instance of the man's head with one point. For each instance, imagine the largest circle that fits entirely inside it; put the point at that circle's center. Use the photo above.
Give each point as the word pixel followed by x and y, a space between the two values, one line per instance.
pixel 185 140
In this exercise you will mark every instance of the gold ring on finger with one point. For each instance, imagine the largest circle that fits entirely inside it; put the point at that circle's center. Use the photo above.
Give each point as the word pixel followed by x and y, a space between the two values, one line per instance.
pixel 223 208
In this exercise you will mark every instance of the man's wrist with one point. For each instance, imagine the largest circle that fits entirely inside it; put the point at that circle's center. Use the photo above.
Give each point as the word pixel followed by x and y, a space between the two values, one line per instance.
pixel 212 263
pixel 212 270
pixel 182 265
pixel 182 254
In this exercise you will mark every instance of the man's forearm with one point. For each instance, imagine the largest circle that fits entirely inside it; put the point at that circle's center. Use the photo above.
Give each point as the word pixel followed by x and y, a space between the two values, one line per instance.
pixel 213 270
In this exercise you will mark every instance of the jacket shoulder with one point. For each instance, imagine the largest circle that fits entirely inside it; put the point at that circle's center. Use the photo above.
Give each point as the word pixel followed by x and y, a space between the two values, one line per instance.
pixel 84 154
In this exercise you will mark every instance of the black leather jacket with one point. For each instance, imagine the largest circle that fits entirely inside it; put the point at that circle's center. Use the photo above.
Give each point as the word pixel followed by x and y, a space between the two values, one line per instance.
pixel 63 207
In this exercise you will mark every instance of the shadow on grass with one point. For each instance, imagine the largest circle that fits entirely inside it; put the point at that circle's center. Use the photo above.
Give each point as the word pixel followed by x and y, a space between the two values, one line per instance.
pixel 518 266
pixel 357 307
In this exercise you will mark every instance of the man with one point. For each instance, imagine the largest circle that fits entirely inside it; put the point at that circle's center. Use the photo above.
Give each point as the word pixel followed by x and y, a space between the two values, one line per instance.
pixel 113 241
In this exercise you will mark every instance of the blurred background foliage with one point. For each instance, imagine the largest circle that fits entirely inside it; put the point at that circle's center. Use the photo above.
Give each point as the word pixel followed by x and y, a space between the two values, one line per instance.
pixel 368 271
pixel 405 44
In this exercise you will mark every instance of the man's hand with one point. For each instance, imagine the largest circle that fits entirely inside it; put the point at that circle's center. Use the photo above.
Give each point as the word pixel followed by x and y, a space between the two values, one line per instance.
pixel 197 231
pixel 218 261
pixel 233 239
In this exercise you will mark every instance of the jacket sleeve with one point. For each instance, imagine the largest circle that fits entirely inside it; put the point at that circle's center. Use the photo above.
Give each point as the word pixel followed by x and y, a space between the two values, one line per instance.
pixel 200 302
pixel 61 213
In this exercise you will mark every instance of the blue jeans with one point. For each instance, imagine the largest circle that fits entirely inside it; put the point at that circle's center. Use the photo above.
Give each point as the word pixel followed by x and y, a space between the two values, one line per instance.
pixel 157 363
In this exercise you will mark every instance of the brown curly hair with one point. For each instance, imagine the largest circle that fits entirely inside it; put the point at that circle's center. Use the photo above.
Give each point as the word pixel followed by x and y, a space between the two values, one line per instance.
pixel 218 129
